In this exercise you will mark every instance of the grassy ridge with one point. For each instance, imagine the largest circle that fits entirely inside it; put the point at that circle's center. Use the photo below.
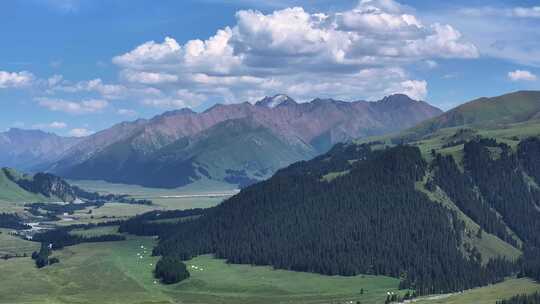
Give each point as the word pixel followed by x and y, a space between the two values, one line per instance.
pixel 11 192
pixel 485 113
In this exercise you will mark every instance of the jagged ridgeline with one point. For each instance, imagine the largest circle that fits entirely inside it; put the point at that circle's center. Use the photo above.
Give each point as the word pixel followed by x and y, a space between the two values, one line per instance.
pixel 238 144
pixel 358 210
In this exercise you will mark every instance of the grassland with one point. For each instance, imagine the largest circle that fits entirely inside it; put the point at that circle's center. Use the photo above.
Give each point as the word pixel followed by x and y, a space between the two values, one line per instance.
pixel 114 273
pixel 486 295
pixel 509 134
pixel 10 207
pixel 11 192
pixel 203 186
pixel 162 198
pixel 95 231
pixel 12 245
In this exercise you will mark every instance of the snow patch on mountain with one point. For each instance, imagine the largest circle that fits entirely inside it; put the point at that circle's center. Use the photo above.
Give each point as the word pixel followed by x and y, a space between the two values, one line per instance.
pixel 275 101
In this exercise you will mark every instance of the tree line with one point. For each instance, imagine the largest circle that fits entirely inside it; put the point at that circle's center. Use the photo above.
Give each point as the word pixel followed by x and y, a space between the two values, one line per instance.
pixel 61 237
pixel 171 269
pixel 522 299
pixel 148 224
pixel 12 221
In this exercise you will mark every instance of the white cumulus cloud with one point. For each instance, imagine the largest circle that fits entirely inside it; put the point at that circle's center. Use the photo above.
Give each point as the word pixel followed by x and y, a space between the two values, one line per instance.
pixel 15 79
pixel 521 75
pixel 416 89
pixel 54 80
pixel 297 52
pixel 150 53
pixel 109 91
pixel 148 77
pixel 527 12
pixel 80 132
pixel 181 99
pixel 52 125
pixel 127 112
pixel 73 107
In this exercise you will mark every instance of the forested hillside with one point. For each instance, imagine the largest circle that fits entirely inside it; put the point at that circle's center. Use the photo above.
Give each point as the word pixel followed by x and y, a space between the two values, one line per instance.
pixel 358 210
pixel 522 299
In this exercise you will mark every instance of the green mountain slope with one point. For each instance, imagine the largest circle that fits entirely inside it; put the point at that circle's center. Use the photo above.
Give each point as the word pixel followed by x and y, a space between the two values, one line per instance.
pixel 224 149
pixel 490 246
pixel 219 153
pixel 484 113
pixel 16 187
pixel 11 192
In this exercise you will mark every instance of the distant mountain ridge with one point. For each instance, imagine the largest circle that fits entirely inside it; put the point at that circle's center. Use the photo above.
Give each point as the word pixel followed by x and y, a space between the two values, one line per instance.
pixel 27 149
pixel 235 143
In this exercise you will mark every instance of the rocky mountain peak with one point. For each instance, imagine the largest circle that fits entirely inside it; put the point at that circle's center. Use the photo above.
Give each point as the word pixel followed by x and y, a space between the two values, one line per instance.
pixel 397 98
pixel 183 111
pixel 275 101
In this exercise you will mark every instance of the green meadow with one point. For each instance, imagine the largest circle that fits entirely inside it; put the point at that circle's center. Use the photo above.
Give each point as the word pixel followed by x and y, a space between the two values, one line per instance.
pixel 121 272
pixel 196 195
pixel 12 245
pixel 485 295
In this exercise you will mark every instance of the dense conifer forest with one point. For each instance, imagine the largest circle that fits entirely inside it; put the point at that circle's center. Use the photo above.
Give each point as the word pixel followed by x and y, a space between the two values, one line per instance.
pixel 522 299
pixel 531 263
pixel 170 269
pixel 370 220
pixel 41 257
pixel 357 211
pixel 60 237
pixel 460 188
pixel 12 221
pixel 497 173
pixel 148 223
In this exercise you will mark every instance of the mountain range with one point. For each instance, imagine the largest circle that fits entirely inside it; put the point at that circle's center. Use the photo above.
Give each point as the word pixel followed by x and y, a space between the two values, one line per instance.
pixel 447 205
pixel 32 149
pixel 236 143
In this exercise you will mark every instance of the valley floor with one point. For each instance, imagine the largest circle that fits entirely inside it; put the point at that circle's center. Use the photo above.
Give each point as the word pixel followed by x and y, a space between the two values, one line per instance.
pixel 121 272
pixel 115 272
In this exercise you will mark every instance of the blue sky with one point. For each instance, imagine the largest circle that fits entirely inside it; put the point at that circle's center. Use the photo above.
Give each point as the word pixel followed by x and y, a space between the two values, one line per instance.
pixel 74 67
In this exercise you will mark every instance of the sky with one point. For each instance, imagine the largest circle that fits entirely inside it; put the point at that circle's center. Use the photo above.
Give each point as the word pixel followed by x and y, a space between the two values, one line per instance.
pixel 74 67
